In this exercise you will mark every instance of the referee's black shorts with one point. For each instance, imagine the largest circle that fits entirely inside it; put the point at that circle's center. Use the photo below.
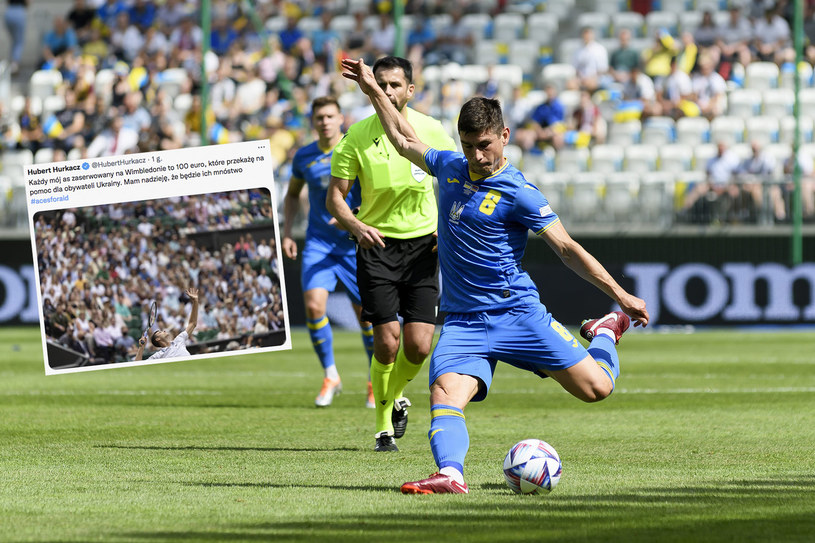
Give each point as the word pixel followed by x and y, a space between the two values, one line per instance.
pixel 401 278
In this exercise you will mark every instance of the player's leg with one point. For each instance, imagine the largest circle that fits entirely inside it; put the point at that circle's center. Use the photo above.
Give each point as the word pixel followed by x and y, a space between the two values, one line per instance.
pixel 419 295
pixel 377 280
pixel 593 378
pixel 460 371
pixel 322 339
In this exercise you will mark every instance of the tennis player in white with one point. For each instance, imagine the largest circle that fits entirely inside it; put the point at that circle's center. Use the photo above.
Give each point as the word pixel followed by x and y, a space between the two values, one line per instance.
pixel 161 338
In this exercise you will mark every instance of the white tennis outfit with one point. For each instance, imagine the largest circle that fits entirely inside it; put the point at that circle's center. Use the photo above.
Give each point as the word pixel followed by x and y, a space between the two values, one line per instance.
pixel 175 349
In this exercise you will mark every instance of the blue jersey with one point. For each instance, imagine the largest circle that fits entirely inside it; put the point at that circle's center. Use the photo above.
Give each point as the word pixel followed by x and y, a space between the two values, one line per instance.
pixel 483 229
pixel 313 166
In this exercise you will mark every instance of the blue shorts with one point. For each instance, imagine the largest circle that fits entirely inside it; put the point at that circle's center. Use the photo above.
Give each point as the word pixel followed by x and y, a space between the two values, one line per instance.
pixel 322 269
pixel 526 337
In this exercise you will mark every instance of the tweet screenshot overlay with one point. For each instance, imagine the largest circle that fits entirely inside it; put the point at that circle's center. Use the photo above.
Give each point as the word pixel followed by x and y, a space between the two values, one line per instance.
pixel 157 257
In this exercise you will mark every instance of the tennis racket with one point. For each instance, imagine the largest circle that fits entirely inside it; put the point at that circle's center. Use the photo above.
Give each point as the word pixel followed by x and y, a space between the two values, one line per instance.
pixel 151 317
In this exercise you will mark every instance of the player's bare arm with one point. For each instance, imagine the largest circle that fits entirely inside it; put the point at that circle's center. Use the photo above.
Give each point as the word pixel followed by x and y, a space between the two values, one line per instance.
pixel 398 130
pixel 291 205
pixel 192 293
pixel 140 352
pixel 366 236
pixel 580 261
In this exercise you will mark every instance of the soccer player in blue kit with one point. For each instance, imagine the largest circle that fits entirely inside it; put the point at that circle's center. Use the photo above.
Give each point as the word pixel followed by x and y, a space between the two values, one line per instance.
pixel 329 254
pixel 494 312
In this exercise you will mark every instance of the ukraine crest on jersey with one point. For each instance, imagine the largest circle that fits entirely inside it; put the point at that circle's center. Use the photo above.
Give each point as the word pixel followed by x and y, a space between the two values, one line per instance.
pixel 483 230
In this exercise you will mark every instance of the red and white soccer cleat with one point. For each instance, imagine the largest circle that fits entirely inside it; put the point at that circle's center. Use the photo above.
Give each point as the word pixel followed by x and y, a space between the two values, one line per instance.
pixel 617 322
pixel 435 484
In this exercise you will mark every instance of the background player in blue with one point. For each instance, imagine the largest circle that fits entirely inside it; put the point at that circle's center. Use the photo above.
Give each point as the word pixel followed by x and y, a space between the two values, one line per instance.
pixel 329 254
pixel 486 208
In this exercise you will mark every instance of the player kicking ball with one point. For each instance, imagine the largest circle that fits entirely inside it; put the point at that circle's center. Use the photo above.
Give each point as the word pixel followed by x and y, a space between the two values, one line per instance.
pixel 168 346
pixel 486 208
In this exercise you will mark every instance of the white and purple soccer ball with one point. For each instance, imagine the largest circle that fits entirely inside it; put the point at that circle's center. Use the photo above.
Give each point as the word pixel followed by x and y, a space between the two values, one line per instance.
pixel 532 466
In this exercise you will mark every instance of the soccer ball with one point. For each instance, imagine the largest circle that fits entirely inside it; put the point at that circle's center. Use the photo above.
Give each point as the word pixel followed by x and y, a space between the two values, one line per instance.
pixel 532 466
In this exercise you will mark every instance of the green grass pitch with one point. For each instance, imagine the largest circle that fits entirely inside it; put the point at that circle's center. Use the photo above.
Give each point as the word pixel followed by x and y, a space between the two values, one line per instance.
pixel 708 437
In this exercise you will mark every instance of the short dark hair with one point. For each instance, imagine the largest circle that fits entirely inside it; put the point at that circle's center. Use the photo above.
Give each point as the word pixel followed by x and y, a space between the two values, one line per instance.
pixel 479 114
pixel 323 101
pixel 153 338
pixel 388 63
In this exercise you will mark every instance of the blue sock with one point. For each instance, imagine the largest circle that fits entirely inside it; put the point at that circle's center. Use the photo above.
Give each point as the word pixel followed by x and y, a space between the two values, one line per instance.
pixel 368 342
pixel 602 349
pixel 322 340
pixel 448 435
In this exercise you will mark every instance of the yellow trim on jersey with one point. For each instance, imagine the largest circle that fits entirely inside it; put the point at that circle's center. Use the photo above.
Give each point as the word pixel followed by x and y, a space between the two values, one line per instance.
pixel 445 412
pixel 606 368
pixel 547 227
pixel 319 324
pixel 493 174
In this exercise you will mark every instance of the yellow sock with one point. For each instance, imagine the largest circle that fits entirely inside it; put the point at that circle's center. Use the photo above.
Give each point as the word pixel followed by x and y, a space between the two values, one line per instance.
pixel 403 372
pixel 380 379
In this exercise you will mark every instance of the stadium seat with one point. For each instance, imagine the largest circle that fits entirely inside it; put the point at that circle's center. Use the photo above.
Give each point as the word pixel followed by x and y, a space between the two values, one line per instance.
pixel 476 23
pixel 182 103
pixel 806 102
pixel 18 103
pixel 342 24
pixel 625 133
pixel 675 157
pixel 309 24
pixel 761 75
pixel 764 129
pixel 781 152
pixel 173 81
pixel 572 160
pixel 710 5
pixel 542 26
pixel 728 129
pixel 566 50
pixel 676 6
pixel 609 7
pixel 642 157
pixel 507 27
pixel 514 154
pixel 620 199
pixel 559 74
pixel 584 192
pixel 701 154
pixel 442 21
pixel 742 150
pixel 658 130
pixel 13 163
pixel 607 158
pixel 52 105
pixel 598 20
pixel 692 130
pixel 277 23
pixel 563 9
pixel 103 82
pixel 655 197
pixel 570 98
pixel 553 187
pixel 656 20
pixel 744 102
pixel 44 83
pixel 486 52
pixel 689 21
pixel 631 20
pixel 786 131
pixel 787 78
pixel 44 154
pixel 526 54
pixel 777 103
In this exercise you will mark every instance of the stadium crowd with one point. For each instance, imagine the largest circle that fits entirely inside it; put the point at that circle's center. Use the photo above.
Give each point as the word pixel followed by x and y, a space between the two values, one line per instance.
pixel 101 267
pixel 129 73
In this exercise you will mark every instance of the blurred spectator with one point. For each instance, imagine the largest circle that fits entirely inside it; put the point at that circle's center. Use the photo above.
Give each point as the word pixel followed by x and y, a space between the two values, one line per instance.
pixel 117 139
pixel 60 39
pixel 623 58
pixel 658 57
pixel 782 195
pixel 590 61
pixel 325 41
pixel 291 34
pixel 15 18
pixel 455 43
pixel 753 174
pixel 421 37
pixel 588 120
pixel 640 88
pixel 171 12
pixel 110 10
pixel 125 38
pixel 688 54
pixel 545 125
pixel 675 94
pixel 81 17
pixel 383 36
pixel 490 87
pixel 713 198
pixel 705 34
pixel 222 37
pixel 142 13
pixel 64 129
pixel 733 40
pixel 709 89
pixel 771 36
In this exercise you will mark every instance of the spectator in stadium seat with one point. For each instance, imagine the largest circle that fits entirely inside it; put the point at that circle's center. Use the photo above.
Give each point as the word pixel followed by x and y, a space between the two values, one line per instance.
pixel 383 36
pixel 588 119
pixel 733 41
pixel 709 89
pixel 72 121
pixel 81 16
pixel 752 175
pixel 222 37
pixel 640 88
pixel 623 58
pixel 117 139
pixel 545 124
pixel 675 94
pixel 771 36
pixel 126 39
pixel 784 193
pixel 142 13
pixel 705 34
pixel 170 13
pixel 60 39
pixel 455 43
pixel 718 188
pixel 658 57
pixel 590 61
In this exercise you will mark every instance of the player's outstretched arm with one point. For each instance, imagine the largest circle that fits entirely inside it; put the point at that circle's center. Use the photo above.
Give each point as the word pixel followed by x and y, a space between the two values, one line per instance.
pixel 140 352
pixel 191 324
pixel 396 127
pixel 580 261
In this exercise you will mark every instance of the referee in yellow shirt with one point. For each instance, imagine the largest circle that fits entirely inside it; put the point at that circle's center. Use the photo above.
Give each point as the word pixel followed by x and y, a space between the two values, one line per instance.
pixel 397 266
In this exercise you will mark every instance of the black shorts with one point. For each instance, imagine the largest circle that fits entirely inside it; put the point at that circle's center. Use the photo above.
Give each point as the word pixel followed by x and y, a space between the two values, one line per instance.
pixel 401 278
